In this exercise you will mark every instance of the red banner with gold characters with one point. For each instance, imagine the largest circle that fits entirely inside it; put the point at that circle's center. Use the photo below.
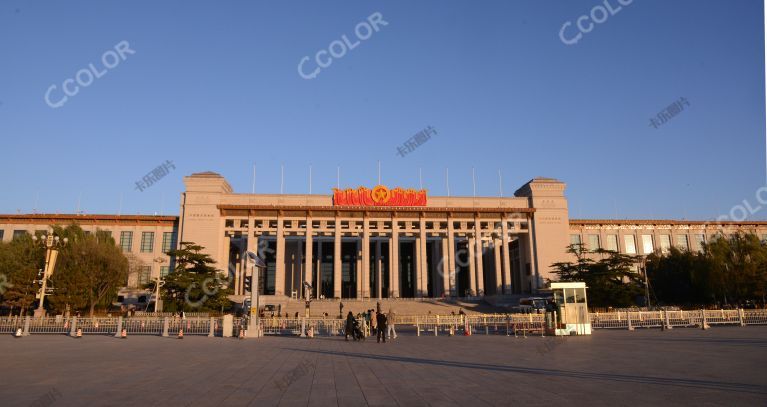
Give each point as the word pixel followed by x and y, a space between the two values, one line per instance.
pixel 378 196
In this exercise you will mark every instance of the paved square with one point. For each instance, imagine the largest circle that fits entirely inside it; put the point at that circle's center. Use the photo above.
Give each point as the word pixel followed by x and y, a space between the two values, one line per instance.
pixel 721 366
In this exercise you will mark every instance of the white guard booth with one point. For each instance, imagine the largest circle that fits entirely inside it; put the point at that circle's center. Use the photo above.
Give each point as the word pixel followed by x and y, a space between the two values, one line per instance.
pixel 572 310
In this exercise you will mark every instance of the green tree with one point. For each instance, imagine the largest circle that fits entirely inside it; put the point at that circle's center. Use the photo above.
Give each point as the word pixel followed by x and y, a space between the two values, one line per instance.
pixel 20 261
pixel 611 279
pixel 195 284
pixel 91 269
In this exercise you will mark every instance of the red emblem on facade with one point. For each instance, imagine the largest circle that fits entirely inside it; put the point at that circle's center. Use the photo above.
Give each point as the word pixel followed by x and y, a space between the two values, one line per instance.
pixel 379 196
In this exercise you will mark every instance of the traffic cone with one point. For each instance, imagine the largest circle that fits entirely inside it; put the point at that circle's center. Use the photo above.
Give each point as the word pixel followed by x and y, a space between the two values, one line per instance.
pixel 19 333
pixel 124 334
pixel 242 334
pixel 180 334
pixel 79 333
pixel 466 329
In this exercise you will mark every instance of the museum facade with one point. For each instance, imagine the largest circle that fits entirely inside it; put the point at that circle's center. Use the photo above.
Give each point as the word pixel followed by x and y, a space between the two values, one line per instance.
pixel 377 243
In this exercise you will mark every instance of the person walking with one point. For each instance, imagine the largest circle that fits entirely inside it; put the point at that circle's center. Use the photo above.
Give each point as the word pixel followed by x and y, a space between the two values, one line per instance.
pixel 390 321
pixel 349 326
pixel 374 323
pixel 381 323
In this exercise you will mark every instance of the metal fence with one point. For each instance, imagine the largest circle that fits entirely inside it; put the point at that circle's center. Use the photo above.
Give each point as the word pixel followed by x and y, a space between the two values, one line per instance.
pixel 498 324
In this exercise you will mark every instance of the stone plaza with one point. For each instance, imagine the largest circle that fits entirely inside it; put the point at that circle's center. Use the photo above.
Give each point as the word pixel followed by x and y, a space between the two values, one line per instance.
pixel 720 366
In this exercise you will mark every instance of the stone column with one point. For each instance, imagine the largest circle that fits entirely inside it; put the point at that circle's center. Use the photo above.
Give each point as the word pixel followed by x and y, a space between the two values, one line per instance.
pixel 337 260
pixel 227 246
pixel 434 272
pixel 418 271
pixel 451 256
pixel 308 263
pixel 358 269
pixel 444 270
pixel 279 275
pixel 506 257
pixel 479 251
pixel 472 267
pixel 498 266
pixel 378 271
pixel 423 263
pixel 531 252
pixel 394 259
pixel 365 257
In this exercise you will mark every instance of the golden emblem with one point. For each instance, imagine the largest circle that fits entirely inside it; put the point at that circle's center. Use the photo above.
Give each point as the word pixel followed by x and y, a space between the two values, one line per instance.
pixel 380 194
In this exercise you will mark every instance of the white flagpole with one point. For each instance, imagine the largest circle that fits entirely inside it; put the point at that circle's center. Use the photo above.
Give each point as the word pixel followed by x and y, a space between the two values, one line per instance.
pixel 500 183
pixel 447 180
pixel 253 190
pixel 474 181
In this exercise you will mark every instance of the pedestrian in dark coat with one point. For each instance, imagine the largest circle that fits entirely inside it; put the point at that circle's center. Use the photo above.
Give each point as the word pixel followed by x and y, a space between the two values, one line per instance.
pixel 381 320
pixel 349 326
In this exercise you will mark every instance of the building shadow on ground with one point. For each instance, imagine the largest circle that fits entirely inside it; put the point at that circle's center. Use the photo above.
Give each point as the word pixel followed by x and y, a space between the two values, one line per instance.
pixel 653 380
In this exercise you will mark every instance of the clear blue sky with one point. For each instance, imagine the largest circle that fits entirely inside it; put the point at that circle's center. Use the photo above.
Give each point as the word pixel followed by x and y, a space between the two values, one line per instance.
pixel 214 86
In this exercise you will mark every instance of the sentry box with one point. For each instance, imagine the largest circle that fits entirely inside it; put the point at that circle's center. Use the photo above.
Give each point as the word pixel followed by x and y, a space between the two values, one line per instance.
pixel 569 313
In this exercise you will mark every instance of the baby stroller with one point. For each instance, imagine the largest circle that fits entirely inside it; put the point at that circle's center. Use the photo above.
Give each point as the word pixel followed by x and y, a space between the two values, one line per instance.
pixel 357 334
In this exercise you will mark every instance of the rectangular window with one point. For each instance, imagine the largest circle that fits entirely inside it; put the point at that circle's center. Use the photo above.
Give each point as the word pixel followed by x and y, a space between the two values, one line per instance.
pixel 126 241
pixel 147 242
pixel 764 237
pixel 681 242
pixel 575 239
pixel 19 233
pixel 698 241
pixel 612 243
pixel 2 232
pixel 630 242
pixel 143 276
pixel 647 246
pixel 167 242
pixel 164 271
pixel 594 242
pixel 665 243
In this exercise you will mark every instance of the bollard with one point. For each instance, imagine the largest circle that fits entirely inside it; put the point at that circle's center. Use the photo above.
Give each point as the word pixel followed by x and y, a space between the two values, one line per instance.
pixel 486 331
pixel 26 326
pixel 704 324
pixel 628 320
pixel 507 327
pixel 124 334
pixel 741 318
pixel 119 327
pixel 303 328
pixel 211 332
pixel 417 327
pixel 165 327
pixel 665 319
pixel 73 327
pixel 79 333
pixel 436 328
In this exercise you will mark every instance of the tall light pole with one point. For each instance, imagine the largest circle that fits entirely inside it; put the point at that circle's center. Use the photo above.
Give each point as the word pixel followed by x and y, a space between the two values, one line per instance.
pixel 646 282
pixel 158 282
pixel 254 317
pixel 52 245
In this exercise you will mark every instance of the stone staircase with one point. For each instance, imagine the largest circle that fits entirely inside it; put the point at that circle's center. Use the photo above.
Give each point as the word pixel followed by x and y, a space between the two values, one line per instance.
pixel 399 306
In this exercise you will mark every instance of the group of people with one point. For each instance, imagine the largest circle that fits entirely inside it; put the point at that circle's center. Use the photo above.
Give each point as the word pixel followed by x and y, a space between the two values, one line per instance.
pixel 380 324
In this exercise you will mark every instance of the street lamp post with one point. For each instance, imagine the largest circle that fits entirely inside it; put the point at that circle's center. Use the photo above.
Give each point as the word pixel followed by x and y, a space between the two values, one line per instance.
pixel 52 245
pixel 258 264
pixel 646 283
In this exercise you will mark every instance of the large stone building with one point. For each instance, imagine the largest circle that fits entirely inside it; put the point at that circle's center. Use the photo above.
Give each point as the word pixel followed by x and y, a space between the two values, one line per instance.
pixel 379 243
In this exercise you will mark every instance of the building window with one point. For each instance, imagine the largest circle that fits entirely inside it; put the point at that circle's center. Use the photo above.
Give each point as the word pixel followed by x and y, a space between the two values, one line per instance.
pixel 2 232
pixel 143 276
pixel 594 242
pixel 698 241
pixel 630 242
pixel 126 241
pixel 575 239
pixel 612 243
pixel 147 242
pixel 665 243
pixel 19 233
pixel 167 242
pixel 647 246
pixel 681 242
pixel 164 271
pixel 764 237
